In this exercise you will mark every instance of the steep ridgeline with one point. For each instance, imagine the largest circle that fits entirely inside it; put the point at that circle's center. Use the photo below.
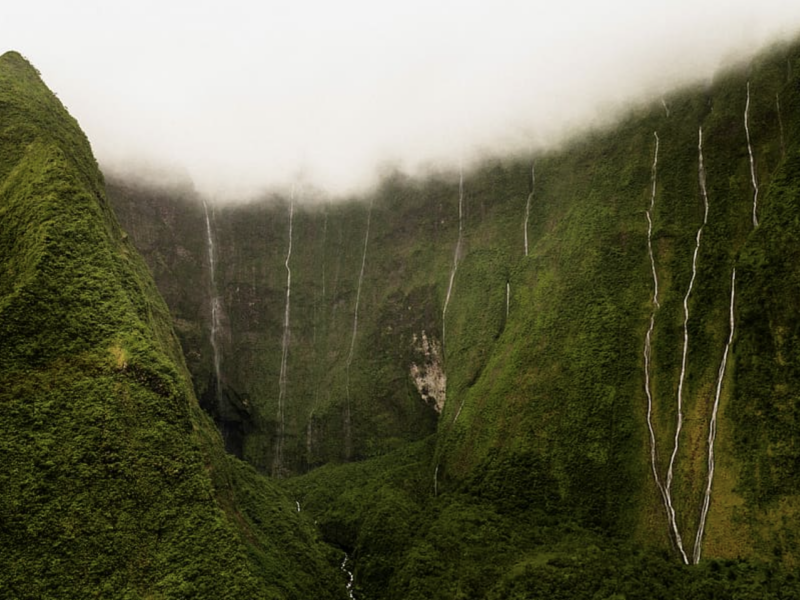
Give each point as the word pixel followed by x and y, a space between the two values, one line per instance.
pixel 595 379
pixel 113 482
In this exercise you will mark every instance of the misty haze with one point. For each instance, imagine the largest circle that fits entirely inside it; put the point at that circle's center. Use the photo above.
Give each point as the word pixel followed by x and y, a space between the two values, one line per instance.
pixel 244 96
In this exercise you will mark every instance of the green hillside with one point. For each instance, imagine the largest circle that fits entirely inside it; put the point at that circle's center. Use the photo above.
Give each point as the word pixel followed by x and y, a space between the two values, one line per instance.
pixel 539 476
pixel 113 482
pixel 501 382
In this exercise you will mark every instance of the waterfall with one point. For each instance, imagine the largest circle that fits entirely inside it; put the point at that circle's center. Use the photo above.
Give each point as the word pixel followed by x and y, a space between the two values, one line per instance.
pixel 350 578
pixel 348 415
pixel 682 377
pixel 752 162
pixel 649 213
pixel 457 252
pixel 277 463
pixel 508 297
pixel 215 305
pixel 666 108
pixel 436 481
pixel 648 347
pixel 528 206
pixel 712 429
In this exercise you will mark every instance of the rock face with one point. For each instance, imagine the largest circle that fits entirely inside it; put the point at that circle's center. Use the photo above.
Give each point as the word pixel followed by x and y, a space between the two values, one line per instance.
pixel 549 310
pixel 327 252
pixel 113 482
pixel 428 371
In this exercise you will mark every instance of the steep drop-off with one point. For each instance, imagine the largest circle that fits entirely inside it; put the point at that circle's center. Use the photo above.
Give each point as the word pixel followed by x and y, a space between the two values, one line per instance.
pixel 571 396
pixel 113 482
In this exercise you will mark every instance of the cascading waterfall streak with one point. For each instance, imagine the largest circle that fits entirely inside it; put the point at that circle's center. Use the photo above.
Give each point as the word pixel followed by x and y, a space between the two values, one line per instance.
pixel 647 353
pixel 649 214
pixel 457 252
pixel 712 429
pixel 752 161
pixel 348 414
pixel 215 305
pixel 528 206
pixel 278 459
pixel 682 377
pixel 350 577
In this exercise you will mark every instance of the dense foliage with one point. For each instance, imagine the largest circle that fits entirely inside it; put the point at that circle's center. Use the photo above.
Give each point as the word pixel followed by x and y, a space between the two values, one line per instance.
pixel 113 483
pixel 538 479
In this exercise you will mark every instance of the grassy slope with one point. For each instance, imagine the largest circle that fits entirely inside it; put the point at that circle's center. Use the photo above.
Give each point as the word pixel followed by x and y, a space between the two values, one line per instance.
pixel 113 482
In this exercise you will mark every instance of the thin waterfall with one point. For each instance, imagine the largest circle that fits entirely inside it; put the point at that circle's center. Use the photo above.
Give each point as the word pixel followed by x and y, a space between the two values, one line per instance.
pixel 277 463
pixel 457 252
pixel 456 255
pixel 712 429
pixel 666 108
pixel 528 206
pixel 648 347
pixel 215 306
pixel 350 578
pixel 348 414
pixel 649 213
pixel 682 377
pixel 752 161
pixel 508 297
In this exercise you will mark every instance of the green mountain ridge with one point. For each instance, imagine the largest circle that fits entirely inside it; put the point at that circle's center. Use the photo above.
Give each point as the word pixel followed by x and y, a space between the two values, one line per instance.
pixel 114 482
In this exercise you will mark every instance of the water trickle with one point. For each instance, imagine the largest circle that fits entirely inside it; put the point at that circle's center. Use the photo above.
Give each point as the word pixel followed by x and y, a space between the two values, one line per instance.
pixel 682 377
pixel 215 306
pixel 348 415
pixel 277 463
pixel 712 429
pixel 649 213
pixel 752 161
pixel 457 253
pixel 648 346
pixel 350 577
pixel 528 206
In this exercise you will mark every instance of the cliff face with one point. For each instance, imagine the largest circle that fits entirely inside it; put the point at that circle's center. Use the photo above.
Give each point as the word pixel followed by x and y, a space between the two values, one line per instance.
pixel 570 312
pixel 113 482
pixel 347 389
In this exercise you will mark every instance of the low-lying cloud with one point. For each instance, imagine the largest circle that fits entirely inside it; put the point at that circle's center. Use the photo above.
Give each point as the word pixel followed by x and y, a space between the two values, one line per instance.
pixel 245 95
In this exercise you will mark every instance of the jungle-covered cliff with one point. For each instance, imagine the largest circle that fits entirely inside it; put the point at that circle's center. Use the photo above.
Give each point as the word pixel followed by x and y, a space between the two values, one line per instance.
pixel 113 482
pixel 569 374
pixel 598 337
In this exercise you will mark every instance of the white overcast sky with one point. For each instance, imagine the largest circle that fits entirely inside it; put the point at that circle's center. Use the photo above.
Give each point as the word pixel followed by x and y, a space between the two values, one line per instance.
pixel 245 93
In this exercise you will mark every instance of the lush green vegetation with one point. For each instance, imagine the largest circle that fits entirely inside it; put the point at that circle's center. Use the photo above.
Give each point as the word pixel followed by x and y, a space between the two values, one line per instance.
pixel 541 456
pixel 534 481
pixel 113 482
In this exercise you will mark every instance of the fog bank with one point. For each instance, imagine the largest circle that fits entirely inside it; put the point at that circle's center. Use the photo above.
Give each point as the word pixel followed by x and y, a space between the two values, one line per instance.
pixel 244 95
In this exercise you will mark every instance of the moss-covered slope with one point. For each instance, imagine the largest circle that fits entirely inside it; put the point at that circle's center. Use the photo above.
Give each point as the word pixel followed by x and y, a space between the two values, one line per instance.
pixel 113 483
pixel 544 435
